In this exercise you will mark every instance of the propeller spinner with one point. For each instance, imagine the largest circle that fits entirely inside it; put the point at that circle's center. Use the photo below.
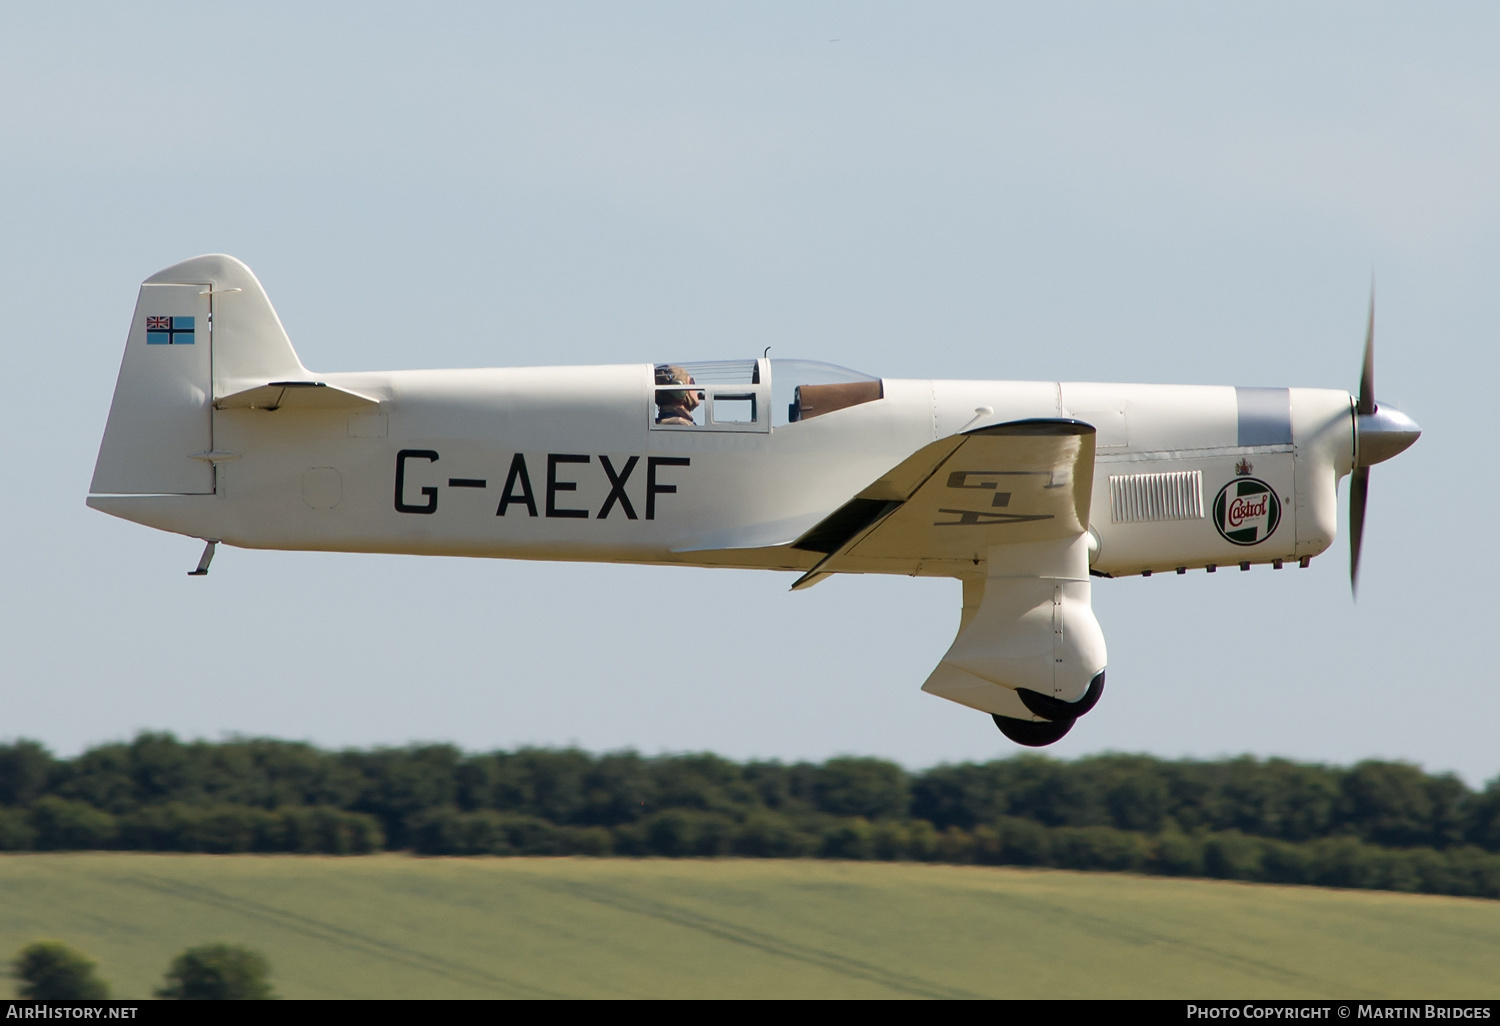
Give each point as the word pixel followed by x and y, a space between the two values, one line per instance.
pixel 1379 434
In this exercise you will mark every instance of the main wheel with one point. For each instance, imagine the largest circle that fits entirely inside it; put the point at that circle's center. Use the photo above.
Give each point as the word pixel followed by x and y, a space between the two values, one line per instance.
pixel 1057 709
pixel 1033 733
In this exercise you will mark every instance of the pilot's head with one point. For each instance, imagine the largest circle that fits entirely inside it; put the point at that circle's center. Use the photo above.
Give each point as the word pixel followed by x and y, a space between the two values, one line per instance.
pixel 671 374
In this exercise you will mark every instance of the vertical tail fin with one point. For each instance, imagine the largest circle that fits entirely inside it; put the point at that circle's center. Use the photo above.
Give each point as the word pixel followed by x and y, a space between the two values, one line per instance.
pixel 201 329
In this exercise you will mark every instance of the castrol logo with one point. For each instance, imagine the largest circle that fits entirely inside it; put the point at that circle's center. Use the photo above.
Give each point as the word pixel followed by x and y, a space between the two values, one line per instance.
pixel 1247 511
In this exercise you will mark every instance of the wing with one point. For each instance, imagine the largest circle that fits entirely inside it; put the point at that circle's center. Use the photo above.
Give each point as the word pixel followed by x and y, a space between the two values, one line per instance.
pixel 1024 481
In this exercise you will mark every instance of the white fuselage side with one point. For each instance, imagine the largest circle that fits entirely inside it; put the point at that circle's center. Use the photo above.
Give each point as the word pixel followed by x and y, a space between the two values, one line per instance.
pixel 517 463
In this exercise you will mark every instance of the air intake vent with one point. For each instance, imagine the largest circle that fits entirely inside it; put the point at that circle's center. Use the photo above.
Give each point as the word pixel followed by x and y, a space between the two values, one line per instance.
pixel 1140 498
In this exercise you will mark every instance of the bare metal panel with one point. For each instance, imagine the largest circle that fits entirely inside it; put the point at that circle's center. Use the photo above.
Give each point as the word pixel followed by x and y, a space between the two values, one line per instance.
pixel 1265 416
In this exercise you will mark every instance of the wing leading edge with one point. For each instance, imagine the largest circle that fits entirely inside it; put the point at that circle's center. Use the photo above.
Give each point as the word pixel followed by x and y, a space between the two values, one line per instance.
pixel 1023 481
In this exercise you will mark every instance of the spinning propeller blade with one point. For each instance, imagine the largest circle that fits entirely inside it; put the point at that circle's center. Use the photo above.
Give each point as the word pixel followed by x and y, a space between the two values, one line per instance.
pixel 1379 434
pixel 1359 484
pixel 1366 402
pixel 1359 495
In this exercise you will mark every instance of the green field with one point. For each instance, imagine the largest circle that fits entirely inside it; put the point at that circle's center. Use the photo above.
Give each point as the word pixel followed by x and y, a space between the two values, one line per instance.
pixel 395 926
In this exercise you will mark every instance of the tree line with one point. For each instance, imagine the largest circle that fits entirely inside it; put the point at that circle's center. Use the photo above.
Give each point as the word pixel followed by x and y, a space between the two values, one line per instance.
pixel 52 971
pixel 1375 824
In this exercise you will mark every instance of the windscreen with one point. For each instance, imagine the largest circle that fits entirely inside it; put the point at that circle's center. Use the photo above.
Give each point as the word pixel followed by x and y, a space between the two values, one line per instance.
pixel 791 403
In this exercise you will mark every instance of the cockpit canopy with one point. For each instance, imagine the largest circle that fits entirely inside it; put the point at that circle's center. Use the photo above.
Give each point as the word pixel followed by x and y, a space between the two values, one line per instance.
pixel 754 395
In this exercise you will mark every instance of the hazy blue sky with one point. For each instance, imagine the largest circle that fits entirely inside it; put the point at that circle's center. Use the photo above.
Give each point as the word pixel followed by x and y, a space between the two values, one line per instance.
pixel 1145 192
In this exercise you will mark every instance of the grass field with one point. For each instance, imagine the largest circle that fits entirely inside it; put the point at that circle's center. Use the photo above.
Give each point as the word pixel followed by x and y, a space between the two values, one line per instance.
pixel 394 926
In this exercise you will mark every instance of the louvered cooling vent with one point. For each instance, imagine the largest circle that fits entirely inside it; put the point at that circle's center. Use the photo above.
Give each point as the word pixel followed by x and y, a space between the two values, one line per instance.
pixel 1138 498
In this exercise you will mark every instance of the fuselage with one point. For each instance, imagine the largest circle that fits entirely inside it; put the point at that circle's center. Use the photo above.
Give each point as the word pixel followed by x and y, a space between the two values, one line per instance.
pixel 572 463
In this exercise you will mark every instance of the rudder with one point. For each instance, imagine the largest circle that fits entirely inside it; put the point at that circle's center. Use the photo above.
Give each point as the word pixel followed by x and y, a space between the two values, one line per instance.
pixel 202 329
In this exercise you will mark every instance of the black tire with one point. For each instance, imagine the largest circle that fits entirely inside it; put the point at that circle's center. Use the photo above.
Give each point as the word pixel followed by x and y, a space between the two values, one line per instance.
pixel 1033 733
pixel 1056 708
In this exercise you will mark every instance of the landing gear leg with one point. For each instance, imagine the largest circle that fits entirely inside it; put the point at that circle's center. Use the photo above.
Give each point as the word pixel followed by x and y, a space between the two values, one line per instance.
pixel 205 559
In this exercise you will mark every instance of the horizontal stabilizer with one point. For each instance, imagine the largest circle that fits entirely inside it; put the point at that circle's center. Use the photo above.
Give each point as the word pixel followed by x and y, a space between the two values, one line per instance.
pixel 295 395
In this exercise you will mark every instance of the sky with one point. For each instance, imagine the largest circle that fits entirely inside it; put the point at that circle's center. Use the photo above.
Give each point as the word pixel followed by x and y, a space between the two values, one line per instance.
pixel 1154 192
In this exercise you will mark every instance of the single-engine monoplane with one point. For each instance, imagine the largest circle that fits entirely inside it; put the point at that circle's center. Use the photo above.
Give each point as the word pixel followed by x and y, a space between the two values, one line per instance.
pixel 1023 490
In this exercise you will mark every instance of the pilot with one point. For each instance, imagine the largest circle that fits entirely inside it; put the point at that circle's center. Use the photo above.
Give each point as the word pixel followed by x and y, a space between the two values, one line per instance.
pixel 676 407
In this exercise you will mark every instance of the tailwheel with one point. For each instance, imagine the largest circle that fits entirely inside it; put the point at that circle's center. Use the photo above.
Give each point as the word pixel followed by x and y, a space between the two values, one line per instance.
pixel 1033 733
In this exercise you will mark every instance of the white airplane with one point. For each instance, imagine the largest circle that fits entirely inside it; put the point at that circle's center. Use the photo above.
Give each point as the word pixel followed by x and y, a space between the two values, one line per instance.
pixel 1023 490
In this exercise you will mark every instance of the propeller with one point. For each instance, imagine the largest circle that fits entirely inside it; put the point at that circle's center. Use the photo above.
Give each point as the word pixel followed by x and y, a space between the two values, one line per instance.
pixel 1359 482
pixel 1379 434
